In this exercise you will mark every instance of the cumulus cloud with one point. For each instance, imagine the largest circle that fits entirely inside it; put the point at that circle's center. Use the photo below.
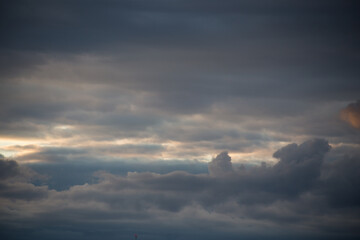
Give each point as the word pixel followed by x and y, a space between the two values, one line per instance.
pixel 8 168
pixel 15 182
pixel 351 114
pixel 300 165
pixel 299 188
pixel 339 180
pixel 220 165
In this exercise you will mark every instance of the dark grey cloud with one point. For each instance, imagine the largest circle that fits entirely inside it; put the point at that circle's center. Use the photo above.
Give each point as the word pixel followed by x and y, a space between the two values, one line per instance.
pixel 8 168
pixel 300 165
pixel 300 189
pixel 11 170
pixel 131 69
pixel 221 165
pixel 178 79
pixel 14 182
pixel 14 62
pixel 63 175
pixel 22 191
pixel 44 23
pixel 231 48
pixel 339 178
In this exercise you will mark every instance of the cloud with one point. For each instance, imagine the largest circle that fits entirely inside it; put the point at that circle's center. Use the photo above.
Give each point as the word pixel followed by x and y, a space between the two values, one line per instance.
pixel 178 80
pixel 339 180
pixel 221 165
pixel 351 114
pixel 176 23
pixel 14 182
pixel 87 153
pixel 8 168
pixel 300 165
pixel 299 188
pixel 22 191
pixel 162 64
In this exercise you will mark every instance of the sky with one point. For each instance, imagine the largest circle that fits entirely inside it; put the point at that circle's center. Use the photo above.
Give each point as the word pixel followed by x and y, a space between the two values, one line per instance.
pixel 179 119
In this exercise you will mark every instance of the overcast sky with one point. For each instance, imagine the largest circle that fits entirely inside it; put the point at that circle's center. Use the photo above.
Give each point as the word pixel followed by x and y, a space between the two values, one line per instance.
pixel 192 119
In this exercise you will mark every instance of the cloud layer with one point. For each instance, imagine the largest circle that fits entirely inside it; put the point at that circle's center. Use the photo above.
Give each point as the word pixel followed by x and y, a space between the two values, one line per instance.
pixel 193 78
pixel 148 93
pixel 302 194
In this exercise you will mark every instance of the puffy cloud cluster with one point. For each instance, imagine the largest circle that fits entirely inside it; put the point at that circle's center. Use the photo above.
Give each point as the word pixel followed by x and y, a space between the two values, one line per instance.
pixel 8 168
pixel 221 165
pixel 14 182
pixel 298 190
